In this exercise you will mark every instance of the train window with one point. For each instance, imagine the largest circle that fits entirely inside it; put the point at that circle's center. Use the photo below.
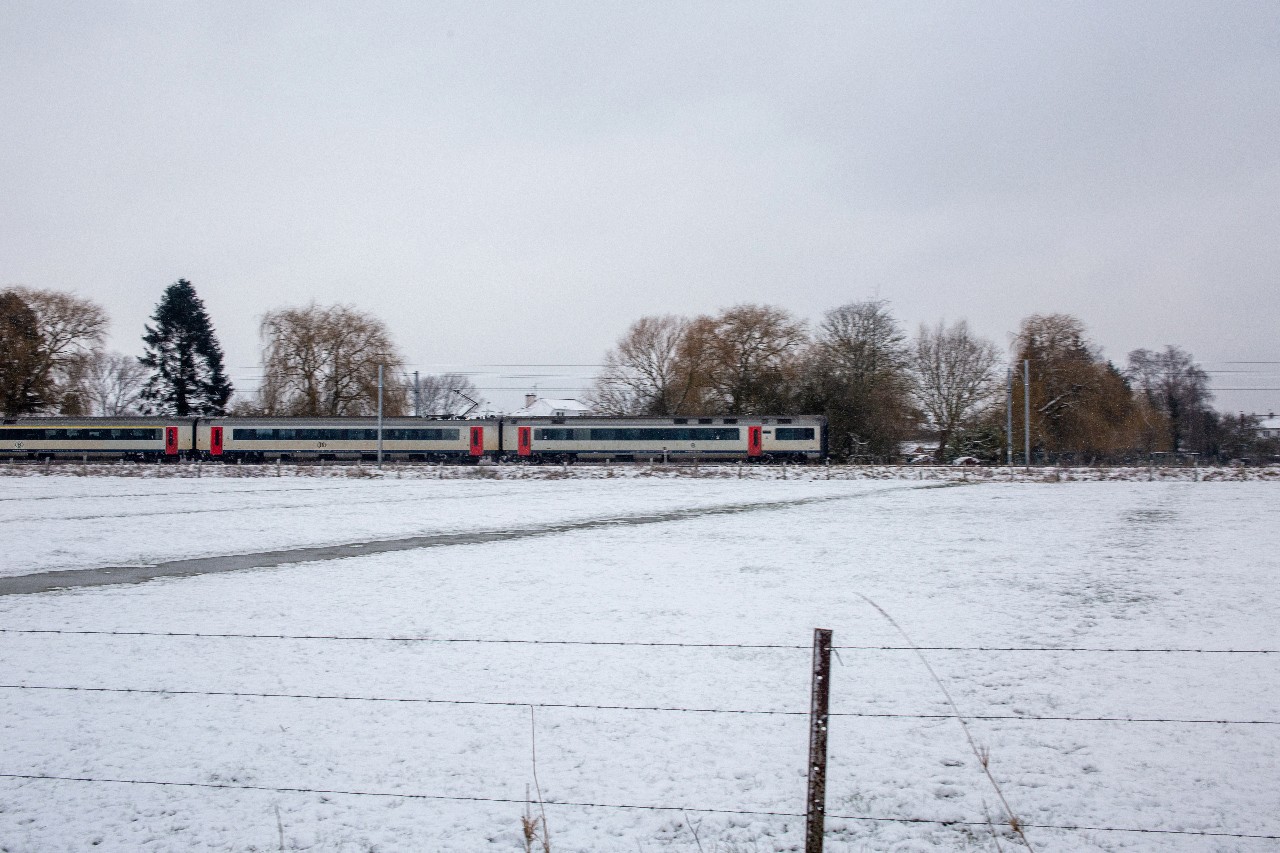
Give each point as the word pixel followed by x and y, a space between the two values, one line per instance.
pixel 656 434
pixel 650 434
pixel 562 434
pixel 704 420
pixel 72 434
pixel 679 420
pixel 421 434
pixel 136 434
pixel 794 433
pixel 293 434
pixel 731 420
pixel 784 420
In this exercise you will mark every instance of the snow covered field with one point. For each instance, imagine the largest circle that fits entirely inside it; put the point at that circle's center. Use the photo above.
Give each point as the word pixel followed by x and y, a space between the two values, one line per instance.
pixel 1097 565
pixel 67 523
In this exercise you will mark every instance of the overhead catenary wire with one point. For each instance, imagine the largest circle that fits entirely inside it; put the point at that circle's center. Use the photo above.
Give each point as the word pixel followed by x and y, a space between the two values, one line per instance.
pixel 584 706
pixel 408 795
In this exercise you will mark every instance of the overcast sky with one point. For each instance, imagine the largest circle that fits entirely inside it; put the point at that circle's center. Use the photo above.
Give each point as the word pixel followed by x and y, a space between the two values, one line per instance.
pixel 512 184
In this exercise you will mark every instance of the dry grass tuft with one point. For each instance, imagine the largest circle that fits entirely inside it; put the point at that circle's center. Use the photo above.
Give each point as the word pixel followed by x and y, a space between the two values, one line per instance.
pixel 981 753
pixel 534 827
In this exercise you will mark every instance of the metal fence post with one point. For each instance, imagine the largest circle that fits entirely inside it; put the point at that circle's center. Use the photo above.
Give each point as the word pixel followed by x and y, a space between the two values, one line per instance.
pixel 816 803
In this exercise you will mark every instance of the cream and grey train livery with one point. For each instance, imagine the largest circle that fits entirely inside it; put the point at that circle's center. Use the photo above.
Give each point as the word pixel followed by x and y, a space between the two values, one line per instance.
pixel 257 439
pixel 96 438
pixel 749 438
pixel 539 439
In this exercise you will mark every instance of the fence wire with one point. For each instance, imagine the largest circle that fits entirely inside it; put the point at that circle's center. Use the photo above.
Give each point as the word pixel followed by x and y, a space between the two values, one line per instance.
pixel 743 712
pixel 627 806
pixel 624 643
pixel 763 712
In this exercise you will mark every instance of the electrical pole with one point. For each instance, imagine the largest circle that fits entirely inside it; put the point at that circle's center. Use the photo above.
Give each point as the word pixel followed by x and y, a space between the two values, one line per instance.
pixel 417 396
pixel 1026 412
pixel 379 416
pixel 1008 417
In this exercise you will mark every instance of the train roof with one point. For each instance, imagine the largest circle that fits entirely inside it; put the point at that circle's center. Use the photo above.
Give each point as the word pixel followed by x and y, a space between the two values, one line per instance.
pixel 340 421
pixel 65 420
pixel 676 419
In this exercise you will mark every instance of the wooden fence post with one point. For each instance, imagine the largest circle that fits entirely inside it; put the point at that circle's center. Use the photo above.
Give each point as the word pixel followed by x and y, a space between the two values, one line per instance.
pixel 816 802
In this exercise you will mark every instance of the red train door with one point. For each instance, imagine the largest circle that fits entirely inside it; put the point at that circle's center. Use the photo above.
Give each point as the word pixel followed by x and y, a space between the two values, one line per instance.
pixel 170 441
pixel 753 441
pixel 477 441
pixel 215 441
pixel 524 441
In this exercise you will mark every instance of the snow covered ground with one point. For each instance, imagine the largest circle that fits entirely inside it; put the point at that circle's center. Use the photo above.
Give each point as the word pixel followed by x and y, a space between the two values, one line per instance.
pixel 54 523
pixel 1115 565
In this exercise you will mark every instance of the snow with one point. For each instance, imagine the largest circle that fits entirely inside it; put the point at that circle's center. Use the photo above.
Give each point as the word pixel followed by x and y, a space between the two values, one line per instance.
pixel 1173 563
pixel 67 523
pixel 544 407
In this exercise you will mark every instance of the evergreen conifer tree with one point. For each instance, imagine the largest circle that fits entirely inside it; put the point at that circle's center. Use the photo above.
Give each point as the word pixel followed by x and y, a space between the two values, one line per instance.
pixel 184 355
pixel 25 384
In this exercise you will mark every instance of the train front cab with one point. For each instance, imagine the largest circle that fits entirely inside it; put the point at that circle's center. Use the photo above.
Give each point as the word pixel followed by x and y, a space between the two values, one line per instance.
pixel 801 439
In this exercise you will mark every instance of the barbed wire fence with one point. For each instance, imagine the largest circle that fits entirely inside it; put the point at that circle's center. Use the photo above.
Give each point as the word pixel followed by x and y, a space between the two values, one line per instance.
pixel 19 774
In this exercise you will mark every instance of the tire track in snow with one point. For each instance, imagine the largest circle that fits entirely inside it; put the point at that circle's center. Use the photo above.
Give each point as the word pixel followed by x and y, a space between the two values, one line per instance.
pixel 38 582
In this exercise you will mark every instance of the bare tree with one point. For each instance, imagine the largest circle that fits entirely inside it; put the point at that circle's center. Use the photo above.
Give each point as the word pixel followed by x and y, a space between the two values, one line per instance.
pixel 863 340
pixel 693 394
pixel 1173 385
pixel 113 383
pixel 612 394
pixel 444 394
pixel 70 330
pixel 247 406
pixel 649 372
pixel 954 376
pixel 859 374
pixel 323 361
pixel 755 358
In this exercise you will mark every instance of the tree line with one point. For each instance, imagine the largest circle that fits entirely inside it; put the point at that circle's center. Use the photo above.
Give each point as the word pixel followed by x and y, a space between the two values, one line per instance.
pixel 52 359
pixel 881 389
pixel 317 361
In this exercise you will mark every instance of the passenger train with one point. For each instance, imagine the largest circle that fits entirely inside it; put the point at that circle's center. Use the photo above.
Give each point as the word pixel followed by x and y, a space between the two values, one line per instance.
pixel 799 438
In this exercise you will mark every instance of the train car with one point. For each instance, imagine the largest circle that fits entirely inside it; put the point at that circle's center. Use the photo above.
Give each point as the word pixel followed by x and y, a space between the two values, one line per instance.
pixel 157 438
pixel 753 439
pixel 259 439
